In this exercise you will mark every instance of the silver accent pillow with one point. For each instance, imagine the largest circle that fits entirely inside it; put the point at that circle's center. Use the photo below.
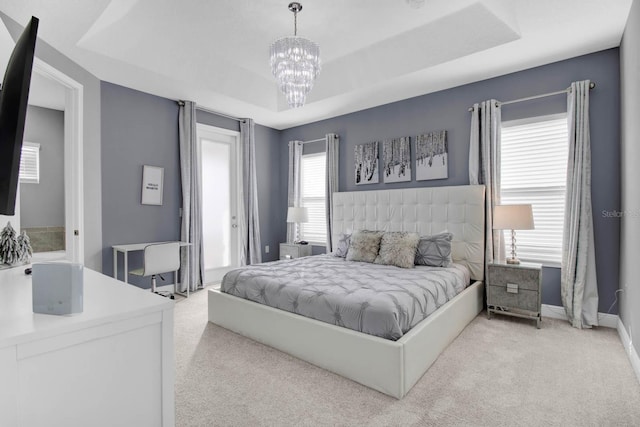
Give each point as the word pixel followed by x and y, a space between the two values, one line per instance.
pixel 398 248
pixel 364 246
pixel 342 247
pixel 434 251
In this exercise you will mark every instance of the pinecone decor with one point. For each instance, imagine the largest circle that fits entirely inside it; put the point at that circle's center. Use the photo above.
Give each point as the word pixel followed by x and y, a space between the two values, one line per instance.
pixel 9 246
pixel 24 247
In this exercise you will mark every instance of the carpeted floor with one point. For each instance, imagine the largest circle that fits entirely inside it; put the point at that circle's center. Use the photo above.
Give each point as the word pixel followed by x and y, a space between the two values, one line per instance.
pixel 498 372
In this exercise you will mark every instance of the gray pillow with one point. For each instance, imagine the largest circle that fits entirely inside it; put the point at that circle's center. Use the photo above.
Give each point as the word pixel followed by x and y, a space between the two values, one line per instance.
pixel 398 248
pixel 342 246
pixel 434 251
pixel 364 246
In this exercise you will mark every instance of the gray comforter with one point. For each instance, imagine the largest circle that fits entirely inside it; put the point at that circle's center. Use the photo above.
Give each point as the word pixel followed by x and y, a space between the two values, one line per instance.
pixel 380 300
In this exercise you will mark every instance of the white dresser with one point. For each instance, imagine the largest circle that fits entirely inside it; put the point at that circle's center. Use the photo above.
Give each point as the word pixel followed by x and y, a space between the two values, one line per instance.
pixel 112 364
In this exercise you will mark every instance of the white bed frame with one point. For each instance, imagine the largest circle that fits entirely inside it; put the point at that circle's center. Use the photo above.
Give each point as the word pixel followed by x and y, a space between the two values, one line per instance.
pixel 391 367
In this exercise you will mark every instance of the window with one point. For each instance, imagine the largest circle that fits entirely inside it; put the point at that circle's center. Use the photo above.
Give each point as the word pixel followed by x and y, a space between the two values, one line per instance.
pixel 533 171
pixel 313 198
pixel 30 163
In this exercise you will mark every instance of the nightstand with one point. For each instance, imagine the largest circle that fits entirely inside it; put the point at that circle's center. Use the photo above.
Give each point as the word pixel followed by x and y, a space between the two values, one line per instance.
pixel 515 290
pixel 294 250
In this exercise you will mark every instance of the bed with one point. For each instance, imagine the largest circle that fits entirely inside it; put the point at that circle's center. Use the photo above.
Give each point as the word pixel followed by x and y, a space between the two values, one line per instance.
pixel 391 366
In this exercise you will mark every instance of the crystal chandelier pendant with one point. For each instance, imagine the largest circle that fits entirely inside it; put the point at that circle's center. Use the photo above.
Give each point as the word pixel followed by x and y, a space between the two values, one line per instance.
pixel 295 63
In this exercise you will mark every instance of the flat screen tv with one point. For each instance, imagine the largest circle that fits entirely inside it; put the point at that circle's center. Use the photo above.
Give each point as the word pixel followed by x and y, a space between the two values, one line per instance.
pixel 13 111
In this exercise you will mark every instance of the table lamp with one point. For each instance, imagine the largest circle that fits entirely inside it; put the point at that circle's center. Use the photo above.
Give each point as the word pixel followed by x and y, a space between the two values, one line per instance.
pixel 513 217
pixel 297 215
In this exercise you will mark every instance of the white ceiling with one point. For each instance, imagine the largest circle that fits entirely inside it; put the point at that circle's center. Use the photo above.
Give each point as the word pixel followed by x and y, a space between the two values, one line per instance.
pixel 373 51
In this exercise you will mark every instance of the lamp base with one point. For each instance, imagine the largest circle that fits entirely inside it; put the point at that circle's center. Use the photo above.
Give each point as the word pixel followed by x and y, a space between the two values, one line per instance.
pixel 513 261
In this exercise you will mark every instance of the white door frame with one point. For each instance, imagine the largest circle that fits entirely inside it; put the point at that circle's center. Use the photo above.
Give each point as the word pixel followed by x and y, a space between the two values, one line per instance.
pixel 73 159
pixel 237 182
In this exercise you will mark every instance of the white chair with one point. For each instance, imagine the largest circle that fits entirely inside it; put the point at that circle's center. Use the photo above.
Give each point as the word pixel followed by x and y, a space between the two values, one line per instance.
pixel 160 258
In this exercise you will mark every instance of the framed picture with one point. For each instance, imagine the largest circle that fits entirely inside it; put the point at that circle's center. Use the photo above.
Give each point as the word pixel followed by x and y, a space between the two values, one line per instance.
pixel 396 160
pixel 152 180
pixel 432 161
pixel 366 163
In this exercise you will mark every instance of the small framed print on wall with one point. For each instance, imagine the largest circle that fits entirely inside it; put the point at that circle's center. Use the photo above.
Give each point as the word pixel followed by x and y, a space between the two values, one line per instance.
pixel 432 156
pixel 366 163
pixel 152 183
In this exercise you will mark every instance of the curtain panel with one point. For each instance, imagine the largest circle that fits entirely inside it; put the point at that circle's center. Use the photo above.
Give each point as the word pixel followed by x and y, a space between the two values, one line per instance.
pixel 294 194
pixel 191 226
pixel 250 221
pixel 579 289
pixel 332 179
pixel 484 168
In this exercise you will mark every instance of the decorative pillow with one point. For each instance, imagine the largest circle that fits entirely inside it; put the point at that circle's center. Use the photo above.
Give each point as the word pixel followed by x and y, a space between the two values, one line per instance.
pixel 398 248
pixel 364 246
pixel 435 250
pixel 342 246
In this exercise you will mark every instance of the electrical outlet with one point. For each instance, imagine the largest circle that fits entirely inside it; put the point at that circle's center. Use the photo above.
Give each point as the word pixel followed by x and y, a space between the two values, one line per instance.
pixel 266 249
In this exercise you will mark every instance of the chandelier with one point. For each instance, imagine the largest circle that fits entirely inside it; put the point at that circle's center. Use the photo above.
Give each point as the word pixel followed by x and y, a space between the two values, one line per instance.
pixel 295 63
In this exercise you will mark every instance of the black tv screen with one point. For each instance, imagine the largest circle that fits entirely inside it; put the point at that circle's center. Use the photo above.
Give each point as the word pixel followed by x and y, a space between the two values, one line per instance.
pixel 13 112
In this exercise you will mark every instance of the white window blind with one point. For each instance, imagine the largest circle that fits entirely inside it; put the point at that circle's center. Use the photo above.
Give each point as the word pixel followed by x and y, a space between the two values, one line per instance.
pixel 533 171
pixel 313 198
pixel 30 163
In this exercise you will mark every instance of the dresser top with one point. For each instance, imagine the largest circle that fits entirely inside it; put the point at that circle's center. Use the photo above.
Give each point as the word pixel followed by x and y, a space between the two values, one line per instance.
pixel 105 300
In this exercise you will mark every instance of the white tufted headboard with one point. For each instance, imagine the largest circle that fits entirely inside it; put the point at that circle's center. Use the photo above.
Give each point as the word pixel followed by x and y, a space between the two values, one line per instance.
pixel 427 210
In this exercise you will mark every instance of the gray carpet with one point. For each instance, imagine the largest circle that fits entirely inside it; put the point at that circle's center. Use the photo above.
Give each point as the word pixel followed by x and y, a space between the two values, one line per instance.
pixel 498 372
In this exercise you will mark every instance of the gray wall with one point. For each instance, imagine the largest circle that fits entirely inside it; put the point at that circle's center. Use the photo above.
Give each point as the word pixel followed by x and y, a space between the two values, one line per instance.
pixel 448 110
pixel 629 242
pixel 91 141
pixel 142 129
pixel 137 129
pixel 42 204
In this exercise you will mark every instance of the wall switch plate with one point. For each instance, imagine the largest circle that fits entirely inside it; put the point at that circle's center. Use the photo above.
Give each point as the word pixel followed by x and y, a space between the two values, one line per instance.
pixel 266 249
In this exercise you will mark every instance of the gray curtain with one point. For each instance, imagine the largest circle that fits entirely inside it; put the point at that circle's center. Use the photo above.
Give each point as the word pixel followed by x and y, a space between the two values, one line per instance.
pixel 191 227
pixel 250 220
pixel 579 287
pixel 294 193
pixel 332 175
pixel 484 168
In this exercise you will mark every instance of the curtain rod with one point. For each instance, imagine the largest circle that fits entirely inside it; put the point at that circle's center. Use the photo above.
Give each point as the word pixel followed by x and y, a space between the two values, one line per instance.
pixel 314 140
pixel 309 142
pixel 217 113
pixel 544 95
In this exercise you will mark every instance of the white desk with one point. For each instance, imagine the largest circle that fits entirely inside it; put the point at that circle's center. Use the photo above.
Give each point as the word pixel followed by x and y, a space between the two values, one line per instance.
pixel 111 365
pixel 134 247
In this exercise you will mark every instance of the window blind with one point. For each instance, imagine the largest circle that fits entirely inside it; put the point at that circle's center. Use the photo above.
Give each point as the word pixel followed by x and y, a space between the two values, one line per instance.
pixel 533 171
pixel 30 163
pixel 313 198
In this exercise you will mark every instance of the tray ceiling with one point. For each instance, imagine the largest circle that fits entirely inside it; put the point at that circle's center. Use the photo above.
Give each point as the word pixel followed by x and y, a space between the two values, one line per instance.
pixel 373 51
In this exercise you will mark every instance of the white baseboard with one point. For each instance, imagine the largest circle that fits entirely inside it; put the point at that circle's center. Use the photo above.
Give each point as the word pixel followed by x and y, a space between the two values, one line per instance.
pixel 629 348
pixel 556 312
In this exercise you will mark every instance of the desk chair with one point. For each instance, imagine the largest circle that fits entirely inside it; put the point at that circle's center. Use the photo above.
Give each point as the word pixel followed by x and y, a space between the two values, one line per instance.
pixel 159 258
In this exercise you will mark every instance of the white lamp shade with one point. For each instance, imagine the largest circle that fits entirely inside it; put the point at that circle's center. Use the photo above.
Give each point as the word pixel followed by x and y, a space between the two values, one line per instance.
pixel 513 217
pixel 297 215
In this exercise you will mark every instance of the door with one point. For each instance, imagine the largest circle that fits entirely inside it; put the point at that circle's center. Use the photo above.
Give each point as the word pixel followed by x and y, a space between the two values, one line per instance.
pixel 220 183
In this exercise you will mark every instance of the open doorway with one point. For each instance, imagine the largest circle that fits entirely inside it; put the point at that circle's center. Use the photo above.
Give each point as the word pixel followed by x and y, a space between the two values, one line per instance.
pixel 71 108
pixel 42 186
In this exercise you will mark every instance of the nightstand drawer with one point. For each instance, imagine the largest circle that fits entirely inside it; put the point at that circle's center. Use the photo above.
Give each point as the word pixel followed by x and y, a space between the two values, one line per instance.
pixel 288 250
pixel 525 278
pixel 524 299
pixel 291 250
